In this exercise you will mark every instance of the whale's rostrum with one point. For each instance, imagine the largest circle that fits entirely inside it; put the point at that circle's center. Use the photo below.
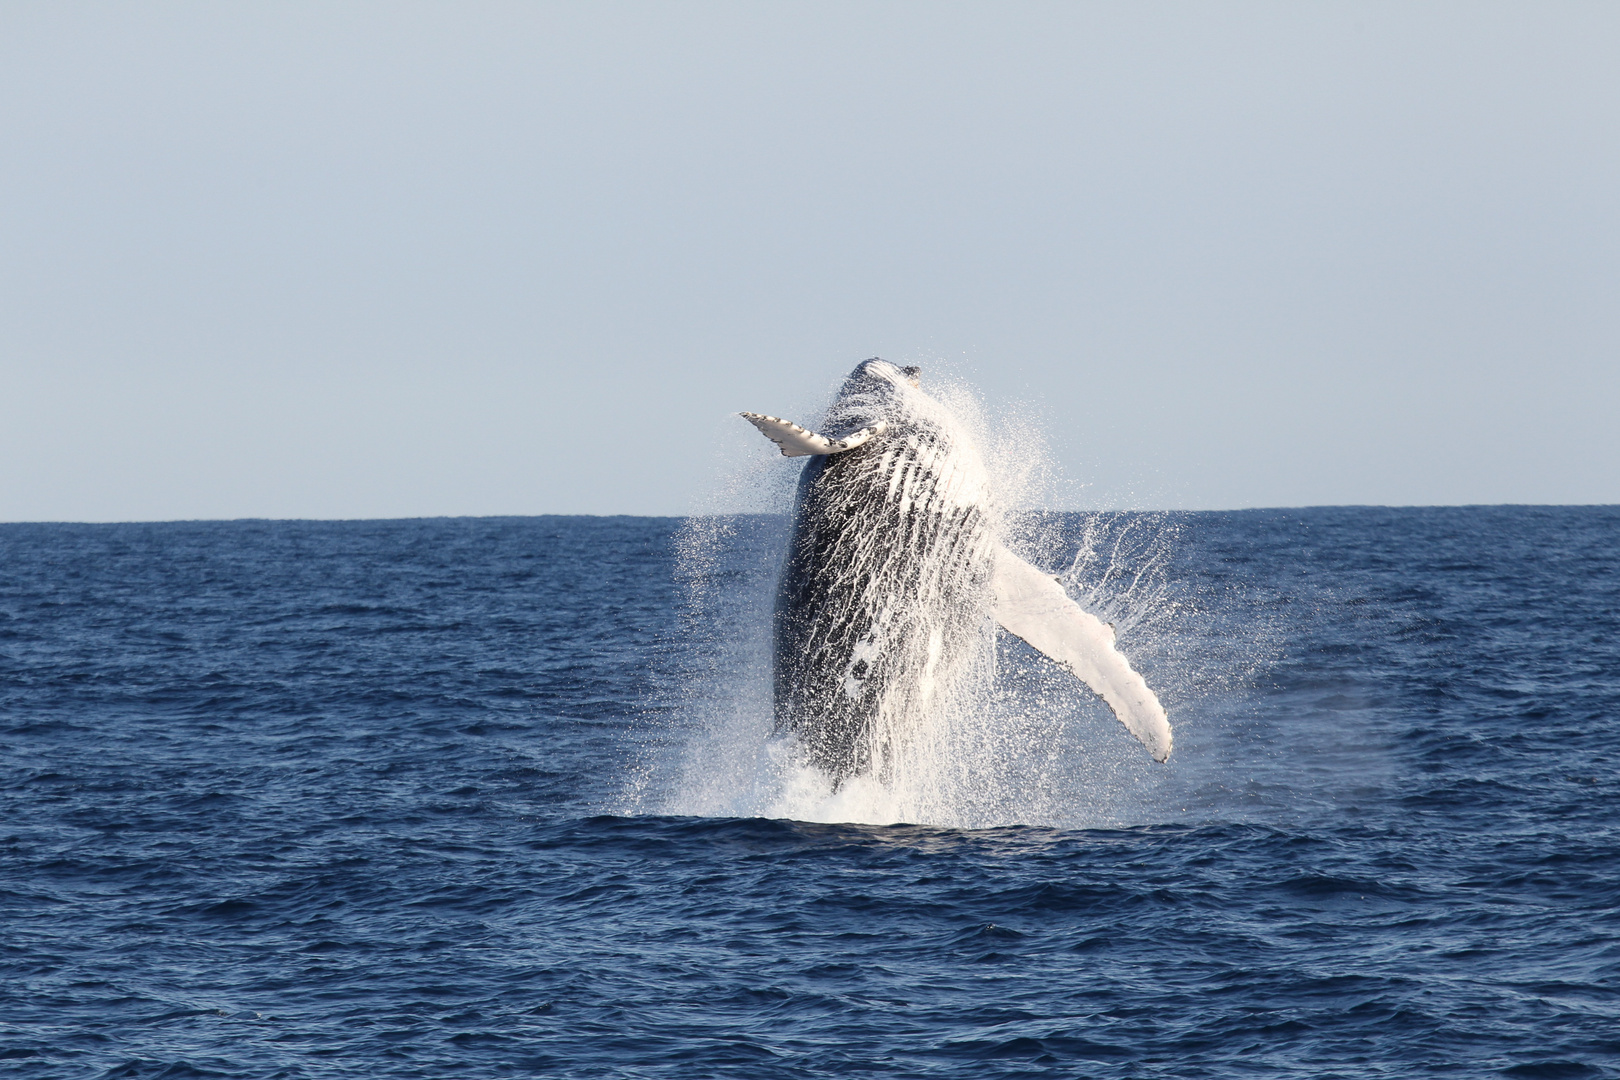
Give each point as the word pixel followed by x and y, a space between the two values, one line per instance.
pixel 893 569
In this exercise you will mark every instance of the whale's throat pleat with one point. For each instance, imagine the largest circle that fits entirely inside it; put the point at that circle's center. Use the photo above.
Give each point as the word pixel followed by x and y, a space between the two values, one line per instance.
pixel 884 591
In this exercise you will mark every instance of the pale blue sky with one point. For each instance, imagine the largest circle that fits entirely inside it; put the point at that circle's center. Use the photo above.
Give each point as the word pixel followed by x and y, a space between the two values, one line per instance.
pixel 360 260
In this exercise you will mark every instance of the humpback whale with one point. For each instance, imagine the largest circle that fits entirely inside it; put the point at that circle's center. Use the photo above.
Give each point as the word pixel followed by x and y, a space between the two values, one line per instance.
pixel 893 568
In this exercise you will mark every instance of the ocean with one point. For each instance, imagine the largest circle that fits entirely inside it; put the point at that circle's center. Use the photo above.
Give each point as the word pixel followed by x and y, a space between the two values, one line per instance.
pixel 498 797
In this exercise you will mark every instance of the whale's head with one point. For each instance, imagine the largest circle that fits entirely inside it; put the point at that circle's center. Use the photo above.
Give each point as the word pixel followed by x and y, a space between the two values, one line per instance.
pixel 876 383
pixel 872 374
pixel 878 392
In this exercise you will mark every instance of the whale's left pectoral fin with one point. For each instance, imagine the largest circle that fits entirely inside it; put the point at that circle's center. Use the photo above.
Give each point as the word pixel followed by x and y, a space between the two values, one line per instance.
pixel 796 441
pixel 1032 605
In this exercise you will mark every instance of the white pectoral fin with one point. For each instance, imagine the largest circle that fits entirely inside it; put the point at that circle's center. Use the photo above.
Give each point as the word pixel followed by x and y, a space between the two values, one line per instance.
pixel 1034 606
pixel 796 441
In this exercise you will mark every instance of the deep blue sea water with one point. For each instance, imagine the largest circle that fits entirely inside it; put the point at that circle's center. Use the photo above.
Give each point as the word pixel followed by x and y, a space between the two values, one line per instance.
pixel 379 799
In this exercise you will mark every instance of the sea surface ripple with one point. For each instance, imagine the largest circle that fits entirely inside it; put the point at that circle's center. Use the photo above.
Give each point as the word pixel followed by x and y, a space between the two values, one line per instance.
pixel 345 799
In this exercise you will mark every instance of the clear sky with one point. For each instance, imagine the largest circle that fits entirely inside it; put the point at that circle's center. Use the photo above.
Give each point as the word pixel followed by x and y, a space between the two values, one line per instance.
pixel 399 259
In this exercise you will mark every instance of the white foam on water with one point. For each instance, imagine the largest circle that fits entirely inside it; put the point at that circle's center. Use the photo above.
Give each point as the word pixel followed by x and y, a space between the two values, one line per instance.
pixel 1012 740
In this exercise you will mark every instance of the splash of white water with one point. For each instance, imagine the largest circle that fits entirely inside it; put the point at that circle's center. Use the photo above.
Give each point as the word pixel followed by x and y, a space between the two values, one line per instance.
pixel 1014 741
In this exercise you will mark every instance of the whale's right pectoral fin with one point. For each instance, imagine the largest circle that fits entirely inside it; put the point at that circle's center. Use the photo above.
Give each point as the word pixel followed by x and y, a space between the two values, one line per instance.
pixel 796 441
pixel 1034 606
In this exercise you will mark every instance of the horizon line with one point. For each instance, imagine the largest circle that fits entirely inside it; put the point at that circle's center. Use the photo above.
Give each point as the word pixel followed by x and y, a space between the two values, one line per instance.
pixel 762 513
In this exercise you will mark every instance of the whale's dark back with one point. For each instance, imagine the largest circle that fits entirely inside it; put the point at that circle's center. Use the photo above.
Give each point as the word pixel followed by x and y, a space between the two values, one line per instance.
pixel 883 591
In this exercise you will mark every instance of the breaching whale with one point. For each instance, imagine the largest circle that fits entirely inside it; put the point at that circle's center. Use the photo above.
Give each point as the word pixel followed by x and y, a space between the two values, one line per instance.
pixel 893 568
